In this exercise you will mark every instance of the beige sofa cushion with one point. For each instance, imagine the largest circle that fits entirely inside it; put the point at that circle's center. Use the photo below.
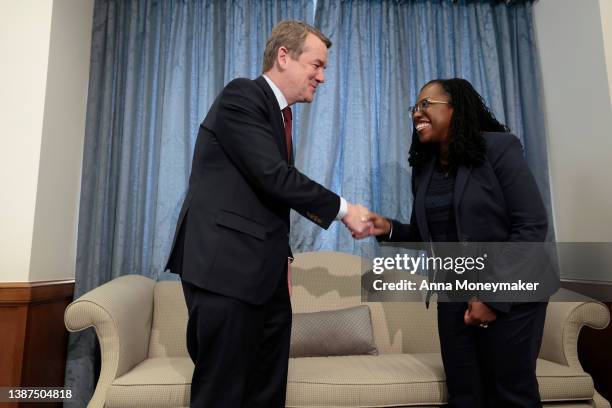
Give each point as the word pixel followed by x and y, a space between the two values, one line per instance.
pixel 156 382
pixel 391 380
pixel 169 328
pixel 387 380
pixel 332 280
pixel 561 383
pixel 348 381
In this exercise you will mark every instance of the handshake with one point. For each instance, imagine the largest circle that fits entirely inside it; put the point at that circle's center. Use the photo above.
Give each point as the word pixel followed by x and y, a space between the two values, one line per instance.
pixel 364 223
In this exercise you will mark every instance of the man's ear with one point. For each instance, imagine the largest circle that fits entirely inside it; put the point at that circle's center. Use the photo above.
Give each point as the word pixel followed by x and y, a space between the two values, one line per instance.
pixel 281 56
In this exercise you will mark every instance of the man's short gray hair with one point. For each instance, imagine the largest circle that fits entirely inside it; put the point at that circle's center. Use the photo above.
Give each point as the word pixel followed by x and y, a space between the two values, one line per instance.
pixel 290 34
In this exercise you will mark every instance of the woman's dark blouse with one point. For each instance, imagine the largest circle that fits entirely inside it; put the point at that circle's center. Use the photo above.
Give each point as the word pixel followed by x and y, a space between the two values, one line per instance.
pixel 439 206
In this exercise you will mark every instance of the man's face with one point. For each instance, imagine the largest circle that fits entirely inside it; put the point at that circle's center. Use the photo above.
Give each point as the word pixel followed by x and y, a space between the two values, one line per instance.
pixel 304 74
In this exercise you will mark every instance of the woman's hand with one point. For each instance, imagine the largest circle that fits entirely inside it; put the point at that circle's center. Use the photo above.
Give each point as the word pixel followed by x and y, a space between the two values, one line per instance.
pixel 380 225
pixel 478 313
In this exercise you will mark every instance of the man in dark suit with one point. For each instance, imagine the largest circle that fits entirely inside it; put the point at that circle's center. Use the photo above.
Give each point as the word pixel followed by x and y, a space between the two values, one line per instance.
pixel 231 245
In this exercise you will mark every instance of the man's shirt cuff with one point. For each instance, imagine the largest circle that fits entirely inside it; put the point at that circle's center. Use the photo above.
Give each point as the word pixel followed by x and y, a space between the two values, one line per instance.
pixel 343 209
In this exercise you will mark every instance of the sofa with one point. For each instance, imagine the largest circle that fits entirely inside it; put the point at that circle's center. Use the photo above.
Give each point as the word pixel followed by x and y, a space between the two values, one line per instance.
pixel 140 324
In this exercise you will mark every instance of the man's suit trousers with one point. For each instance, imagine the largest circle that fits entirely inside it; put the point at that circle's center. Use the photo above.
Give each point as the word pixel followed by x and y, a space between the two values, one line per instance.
pixel 240 350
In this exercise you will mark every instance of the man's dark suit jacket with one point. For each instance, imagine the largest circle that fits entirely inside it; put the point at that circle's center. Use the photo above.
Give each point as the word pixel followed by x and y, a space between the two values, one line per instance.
pixel 498 201
pixel 232 235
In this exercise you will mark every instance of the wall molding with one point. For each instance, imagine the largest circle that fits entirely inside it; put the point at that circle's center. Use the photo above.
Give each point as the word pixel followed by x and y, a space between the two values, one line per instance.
pixel 26 292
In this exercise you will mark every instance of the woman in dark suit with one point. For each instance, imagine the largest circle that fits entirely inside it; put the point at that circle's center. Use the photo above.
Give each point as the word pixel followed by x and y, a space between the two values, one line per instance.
pixel 471 184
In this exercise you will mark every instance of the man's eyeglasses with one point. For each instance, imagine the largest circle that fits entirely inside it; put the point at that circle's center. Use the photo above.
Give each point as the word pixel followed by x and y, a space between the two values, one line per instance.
pixel 424 104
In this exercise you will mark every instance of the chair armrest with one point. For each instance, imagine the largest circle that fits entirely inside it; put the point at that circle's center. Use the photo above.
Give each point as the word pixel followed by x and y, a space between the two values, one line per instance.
pixel 564 319
pixel 121 313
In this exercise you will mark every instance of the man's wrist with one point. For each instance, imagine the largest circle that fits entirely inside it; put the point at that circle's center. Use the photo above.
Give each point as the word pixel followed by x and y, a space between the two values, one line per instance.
pixel 343 210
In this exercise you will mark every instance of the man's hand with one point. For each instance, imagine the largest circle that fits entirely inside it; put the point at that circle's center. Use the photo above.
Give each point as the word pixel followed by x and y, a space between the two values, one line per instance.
pixel 478 313
pixel 356 220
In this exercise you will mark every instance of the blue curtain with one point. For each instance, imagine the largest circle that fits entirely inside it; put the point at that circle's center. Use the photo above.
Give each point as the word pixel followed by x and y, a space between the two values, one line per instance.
pixel 356 135
pixel 156 67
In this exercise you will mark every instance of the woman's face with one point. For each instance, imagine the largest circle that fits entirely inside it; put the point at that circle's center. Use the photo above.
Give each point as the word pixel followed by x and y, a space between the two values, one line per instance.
pixel 433 122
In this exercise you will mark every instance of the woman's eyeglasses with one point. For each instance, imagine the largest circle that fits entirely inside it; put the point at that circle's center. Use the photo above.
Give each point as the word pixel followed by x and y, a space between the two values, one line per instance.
pixel 424 104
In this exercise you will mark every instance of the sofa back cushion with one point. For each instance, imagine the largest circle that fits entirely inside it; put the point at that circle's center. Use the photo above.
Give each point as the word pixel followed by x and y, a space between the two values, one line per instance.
pixel 332 280
pixel 169 327
pixel 321 281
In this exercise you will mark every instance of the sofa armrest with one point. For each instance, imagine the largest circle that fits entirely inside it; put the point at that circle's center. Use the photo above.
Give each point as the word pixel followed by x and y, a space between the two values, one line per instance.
pixel 564 320
pixel 121 313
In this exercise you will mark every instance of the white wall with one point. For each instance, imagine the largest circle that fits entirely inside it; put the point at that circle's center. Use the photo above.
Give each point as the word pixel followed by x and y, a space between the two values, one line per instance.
pixel 59 179
pixel 25 27
pixel 579 117
pixel 44 54
pixel 576 79
pixel 605 8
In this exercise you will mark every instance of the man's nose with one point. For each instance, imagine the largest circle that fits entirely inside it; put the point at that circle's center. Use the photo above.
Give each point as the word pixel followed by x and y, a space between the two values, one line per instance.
pixel 320 76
